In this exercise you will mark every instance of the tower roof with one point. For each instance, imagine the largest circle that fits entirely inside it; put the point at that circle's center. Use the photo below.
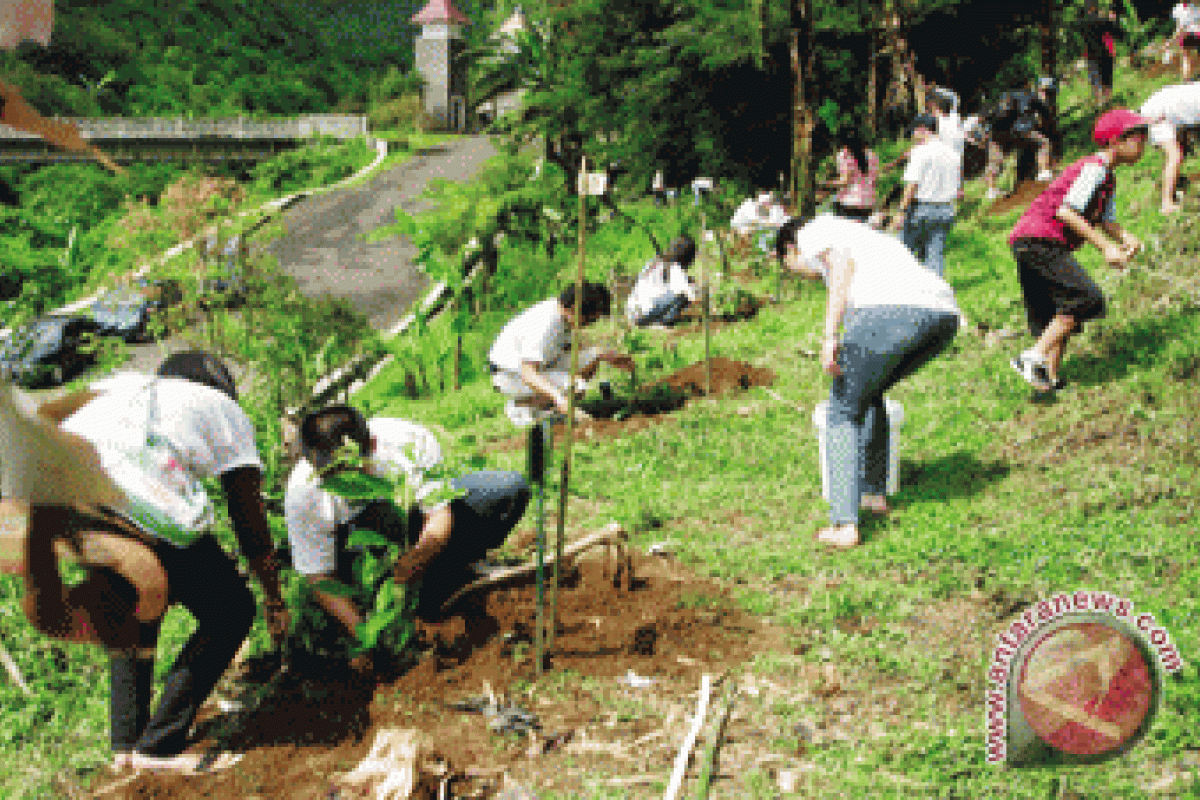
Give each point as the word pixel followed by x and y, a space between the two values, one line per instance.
pixel 436 11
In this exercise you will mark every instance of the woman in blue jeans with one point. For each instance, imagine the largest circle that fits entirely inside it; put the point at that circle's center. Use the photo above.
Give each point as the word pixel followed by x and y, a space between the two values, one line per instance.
pixel 885 317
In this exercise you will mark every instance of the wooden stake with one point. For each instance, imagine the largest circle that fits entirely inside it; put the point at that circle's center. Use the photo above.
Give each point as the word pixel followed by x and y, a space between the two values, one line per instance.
pixel 705 310
pixel 14 672
pixel 565 475
pixel 689 741
pixel 708 762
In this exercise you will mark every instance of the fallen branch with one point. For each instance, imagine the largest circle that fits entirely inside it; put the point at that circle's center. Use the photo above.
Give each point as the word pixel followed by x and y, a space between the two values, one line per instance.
pixel 14 672
pixel 613 535
pixel 689 741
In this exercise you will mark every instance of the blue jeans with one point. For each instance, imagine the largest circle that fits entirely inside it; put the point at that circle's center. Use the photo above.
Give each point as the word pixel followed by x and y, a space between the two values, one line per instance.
pixel 925 230
pixel 881 346
pixel 665 311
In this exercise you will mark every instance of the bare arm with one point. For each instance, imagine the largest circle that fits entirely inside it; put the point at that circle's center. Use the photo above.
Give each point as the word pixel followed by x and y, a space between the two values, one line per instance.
pixel 841 273
pixel 242 489
pixel 1113 253
pixel 541 384
pixel 343 609
pixel 435 535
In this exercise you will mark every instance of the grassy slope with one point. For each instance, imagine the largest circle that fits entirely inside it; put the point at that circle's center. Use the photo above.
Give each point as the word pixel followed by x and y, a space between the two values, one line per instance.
pixel 1003 498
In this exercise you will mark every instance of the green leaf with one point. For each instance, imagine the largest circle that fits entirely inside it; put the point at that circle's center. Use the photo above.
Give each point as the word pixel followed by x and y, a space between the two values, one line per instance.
pixel 368 632
pixel 386 597
pixel 335 588
pixel 355 485
pixel 367 539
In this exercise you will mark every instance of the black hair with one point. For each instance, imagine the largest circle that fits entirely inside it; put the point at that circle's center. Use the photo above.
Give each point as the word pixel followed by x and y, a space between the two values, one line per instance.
pixel 324 430
pixel 596 299
pixel 682 251
pixel 853 140
pixel 200 367
pixel 943 102
pixel 787 233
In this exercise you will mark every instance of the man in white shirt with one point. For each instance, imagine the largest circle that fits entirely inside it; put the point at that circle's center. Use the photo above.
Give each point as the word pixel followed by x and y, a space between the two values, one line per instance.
pixel 531 357
pixel 440 541
pixel 932 180
pixel 663 288
pixel 1172 111
pixel 156 436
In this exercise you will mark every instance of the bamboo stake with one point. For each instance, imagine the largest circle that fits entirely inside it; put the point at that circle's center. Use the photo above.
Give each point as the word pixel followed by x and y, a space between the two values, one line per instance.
pixel 708 761
pixel 565 475
pixel 704 299
pixel 539 445
pixel 689 741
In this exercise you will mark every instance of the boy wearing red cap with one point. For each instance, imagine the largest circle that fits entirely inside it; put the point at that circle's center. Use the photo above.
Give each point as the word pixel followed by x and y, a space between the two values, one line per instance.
pixel 1077 207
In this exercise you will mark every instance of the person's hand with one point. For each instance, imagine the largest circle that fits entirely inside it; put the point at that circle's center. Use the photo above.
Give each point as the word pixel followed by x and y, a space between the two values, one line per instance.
pixel 897 221
pixel 1133 243
pixel 363 665
pixel 829 351
pixel 278 618
pixel 582 416
pixel 1117 255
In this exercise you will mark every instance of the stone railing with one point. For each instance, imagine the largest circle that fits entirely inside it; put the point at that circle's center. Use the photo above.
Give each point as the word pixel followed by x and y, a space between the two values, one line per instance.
pixel 337 125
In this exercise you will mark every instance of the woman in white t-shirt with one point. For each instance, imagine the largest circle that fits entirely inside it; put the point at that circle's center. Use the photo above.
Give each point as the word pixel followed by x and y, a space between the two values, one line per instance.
pixel 663 289
pixel 897 315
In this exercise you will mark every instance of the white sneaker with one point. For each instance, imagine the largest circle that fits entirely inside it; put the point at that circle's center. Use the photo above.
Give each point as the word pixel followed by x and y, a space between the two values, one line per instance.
pixel 993 194
pixel 520 415
pixel 1030 366
pixel 1045 175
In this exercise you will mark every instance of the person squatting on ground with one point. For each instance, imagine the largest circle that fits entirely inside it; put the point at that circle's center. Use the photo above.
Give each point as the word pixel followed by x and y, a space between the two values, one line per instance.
pixel 440 541
pixel 762 214
pixel 1020 120
pixel 1077 207
pixel 1186 36
pixel 858 169
pixel 1099 30
pixel 896 315
pixel 156 437
pixel 1172 111
pixel 663 288
pixel 531 357
pixel 932 180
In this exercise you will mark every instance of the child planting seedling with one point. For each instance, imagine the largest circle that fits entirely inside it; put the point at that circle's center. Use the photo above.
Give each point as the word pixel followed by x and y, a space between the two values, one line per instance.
pixel 345 484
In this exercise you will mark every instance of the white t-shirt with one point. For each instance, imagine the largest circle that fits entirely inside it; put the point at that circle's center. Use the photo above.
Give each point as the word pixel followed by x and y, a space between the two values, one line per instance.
pixel 752 215
pixel 950 129
pixel 312 513
pixel 885 272
pixel 538 334
pixel 1171 107
pixel 655 282
pixel 936 169
pixel 207 434
pixel 1187 16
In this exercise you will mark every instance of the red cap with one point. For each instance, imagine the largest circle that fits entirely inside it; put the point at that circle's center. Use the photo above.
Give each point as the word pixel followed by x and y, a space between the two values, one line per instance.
pixel 1113 124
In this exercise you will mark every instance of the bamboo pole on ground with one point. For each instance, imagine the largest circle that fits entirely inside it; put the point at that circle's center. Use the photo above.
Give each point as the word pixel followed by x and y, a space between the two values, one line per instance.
pixel 685 751
pixel 565 473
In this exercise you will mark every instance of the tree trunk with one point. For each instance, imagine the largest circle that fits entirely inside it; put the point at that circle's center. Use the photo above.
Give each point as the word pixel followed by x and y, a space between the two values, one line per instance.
pixel 872 68
pixel 803 196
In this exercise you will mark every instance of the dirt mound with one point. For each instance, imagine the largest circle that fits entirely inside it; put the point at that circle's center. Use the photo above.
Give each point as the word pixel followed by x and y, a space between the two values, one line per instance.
pixel 670 626
pixel 653 401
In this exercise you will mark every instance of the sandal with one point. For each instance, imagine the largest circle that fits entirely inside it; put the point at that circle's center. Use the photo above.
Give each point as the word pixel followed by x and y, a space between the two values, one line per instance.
pixel 839 537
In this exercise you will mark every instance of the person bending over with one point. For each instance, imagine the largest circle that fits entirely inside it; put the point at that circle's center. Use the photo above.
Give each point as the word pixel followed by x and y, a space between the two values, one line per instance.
pixel 663 288
pixel 531 357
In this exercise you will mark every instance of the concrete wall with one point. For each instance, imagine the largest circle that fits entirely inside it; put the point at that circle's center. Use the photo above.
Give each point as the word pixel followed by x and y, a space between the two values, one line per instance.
pixel 434 60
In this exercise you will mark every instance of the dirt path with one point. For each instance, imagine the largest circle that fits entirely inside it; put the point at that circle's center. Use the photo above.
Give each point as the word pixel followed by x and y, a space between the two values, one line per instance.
pixel 325 247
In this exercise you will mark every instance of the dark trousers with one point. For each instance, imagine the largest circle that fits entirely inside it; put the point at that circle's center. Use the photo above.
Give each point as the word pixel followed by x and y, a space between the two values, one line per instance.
pixel 482 518
pixel 205 580
pixel 1053 283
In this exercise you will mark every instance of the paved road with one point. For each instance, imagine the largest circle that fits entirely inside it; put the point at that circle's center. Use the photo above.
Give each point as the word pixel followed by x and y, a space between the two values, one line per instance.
pixel 324 247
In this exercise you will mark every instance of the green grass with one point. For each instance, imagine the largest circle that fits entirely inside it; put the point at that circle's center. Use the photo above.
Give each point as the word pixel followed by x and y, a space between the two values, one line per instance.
pixel 1003 499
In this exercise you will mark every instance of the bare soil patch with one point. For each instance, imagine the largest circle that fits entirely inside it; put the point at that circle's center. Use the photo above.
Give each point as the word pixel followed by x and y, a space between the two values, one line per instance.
pixel 669 628
pixel 1020 197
